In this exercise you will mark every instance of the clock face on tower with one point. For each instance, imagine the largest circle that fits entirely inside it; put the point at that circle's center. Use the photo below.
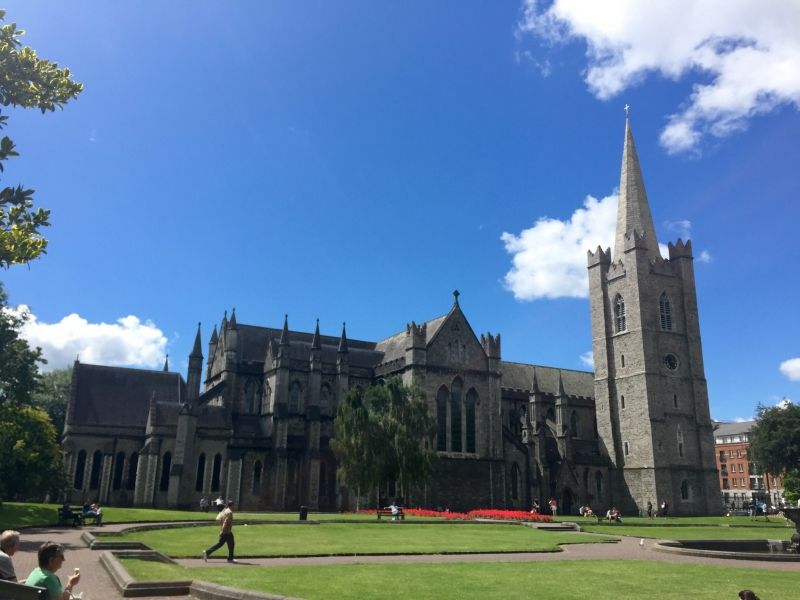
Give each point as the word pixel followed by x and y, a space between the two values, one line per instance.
pixel 671 362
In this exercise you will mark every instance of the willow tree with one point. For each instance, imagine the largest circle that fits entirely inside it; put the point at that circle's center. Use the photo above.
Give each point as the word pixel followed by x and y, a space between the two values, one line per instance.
pixel 385 435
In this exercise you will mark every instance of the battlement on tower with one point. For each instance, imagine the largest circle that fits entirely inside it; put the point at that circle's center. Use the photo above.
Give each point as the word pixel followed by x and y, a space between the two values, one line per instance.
pixel 491 345
pixel 416 335
pixel 634 239
pixel 680 250
pixel 600 257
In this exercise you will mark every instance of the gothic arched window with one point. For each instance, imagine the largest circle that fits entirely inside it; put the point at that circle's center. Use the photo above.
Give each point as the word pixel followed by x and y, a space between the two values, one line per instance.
pixel 133 464
pixel 441 419
pixel 551 416
pixel 119 467
pixel 257 469
pixel 573 425
pixel 665 310
pixel 515 481
pixel 469 409
pixel 94 477
pixel 294 397
pixel 166 464
pixel 80 468
pixel 680 441
pixel 684 490
pixel 201 473
pixel 266 396
pixel 215 473
pixel 455 415
pixel 325 398
pixel 619 313
pixel 250 397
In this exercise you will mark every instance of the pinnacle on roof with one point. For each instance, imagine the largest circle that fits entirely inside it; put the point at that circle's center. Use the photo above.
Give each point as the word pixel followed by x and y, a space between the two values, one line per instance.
pixel 196 350
pixel 343 339
pixel 166 364
pixel 561 393
pixel 535 383
pixel 214 336
pixel 633 212
pixel 315 343
pixel 285 333
pixel 233 319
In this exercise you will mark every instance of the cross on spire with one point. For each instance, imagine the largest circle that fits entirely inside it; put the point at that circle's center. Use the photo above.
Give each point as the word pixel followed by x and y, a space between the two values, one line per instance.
pixel 627 108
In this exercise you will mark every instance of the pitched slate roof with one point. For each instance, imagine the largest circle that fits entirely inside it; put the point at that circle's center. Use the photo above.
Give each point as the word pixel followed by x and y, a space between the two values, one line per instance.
pixel 121 396
pixel 518 376
pixel 733 428
pixel 394 346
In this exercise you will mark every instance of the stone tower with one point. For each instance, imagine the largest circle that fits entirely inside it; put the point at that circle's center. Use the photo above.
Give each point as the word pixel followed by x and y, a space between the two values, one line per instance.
pixel 650 387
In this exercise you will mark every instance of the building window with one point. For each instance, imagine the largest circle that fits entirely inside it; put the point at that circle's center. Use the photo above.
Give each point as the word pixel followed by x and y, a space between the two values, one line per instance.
pixel 325 398
pixel 133 464
pixel 622 360
pixel 166 464
pixel 627 449
pixel 622 401
pixel 455 415
pixel 469 408
pixel 515 482
pixel 573 425
pixel 266 397
pixel 722 456
pixel 257 477
pixel 684 490
pixel 94 477
pixel 730 453
pixel 680 442
pixel 619 313
pixel 119 469
pixel 80 469
pixel 294 398
pixel 215 473
pixel 733 480
pixel 724 483
pixel 201 473
pixel 738 453
pixel 250 397
pixel 666 312
pixel 441 419
pixel 675 400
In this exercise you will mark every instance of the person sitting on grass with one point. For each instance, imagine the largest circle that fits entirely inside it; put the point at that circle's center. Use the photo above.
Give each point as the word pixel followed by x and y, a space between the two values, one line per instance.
pixel 614 516
pixel 587 511
pixel 51 559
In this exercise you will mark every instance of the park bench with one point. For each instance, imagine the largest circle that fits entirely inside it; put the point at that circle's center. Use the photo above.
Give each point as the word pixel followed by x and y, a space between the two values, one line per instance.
pixel 387 512
pixel 73 516
pixel 18 591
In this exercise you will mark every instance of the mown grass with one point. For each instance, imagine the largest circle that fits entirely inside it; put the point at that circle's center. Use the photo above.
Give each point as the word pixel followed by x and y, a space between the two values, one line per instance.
pixel 774 521
pixel 711 532
pixel 360 538
pixel 570 580
pixel 15 515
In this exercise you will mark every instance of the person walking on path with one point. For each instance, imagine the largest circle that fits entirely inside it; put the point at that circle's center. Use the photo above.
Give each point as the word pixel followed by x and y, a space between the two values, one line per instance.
pixel 649 510
pixel 51 559
pixel 9 544
pixel 225 518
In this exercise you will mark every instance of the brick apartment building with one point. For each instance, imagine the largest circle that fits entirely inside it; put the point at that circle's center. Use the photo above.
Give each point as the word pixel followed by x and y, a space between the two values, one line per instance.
pixel 739 478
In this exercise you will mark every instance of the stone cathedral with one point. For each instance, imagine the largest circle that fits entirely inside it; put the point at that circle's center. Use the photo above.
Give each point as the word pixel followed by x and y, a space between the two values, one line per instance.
pixel 254 423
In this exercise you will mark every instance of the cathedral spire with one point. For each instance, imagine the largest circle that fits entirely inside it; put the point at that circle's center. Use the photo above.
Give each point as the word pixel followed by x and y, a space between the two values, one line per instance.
pixel 166 364
pixel 633 212
pixel 343 339
pixel 285 333
pixel 196 351
pixel 315 343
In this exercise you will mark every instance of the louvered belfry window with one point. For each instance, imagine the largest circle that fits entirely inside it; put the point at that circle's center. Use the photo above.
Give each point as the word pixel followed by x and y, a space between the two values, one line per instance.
pixel 619 313
pixel 665 308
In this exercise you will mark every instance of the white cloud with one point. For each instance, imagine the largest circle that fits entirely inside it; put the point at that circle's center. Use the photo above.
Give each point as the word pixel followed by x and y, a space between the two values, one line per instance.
pixel 742 55
pixel 791 368
pixel 587 358
pixel 704 257
pixel 128 342
pixel 549 259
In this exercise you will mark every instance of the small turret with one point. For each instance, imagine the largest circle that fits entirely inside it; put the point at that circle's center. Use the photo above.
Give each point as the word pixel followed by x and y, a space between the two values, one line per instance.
pixel 680 250
pixel 599 257
pixel 491 345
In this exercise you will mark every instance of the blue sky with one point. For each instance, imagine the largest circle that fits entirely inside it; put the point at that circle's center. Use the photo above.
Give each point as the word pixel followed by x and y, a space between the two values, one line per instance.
pixel 357 161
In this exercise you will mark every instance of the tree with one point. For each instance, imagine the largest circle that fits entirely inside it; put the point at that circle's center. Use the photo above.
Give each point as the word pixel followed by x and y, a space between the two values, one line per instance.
pixel 775 444
pixel 19 365
pixel 31 463
pixel 385 435
pixel 52 396
pixel 26 81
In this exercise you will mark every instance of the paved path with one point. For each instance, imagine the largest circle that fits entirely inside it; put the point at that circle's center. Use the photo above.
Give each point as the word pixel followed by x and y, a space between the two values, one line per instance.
pixel 95 582
pixel 97 585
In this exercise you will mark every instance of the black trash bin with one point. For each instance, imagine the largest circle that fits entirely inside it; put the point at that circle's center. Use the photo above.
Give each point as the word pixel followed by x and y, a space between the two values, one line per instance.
pixel 303 513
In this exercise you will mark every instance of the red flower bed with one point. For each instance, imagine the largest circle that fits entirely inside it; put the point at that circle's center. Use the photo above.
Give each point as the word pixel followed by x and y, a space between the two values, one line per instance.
pixel 485 513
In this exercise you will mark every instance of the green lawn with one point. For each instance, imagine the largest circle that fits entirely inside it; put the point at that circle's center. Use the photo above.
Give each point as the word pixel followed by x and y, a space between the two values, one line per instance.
pixel 578 580
pixel 27 514
pixel 360 538
pixel 681 521
pixel 666 532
